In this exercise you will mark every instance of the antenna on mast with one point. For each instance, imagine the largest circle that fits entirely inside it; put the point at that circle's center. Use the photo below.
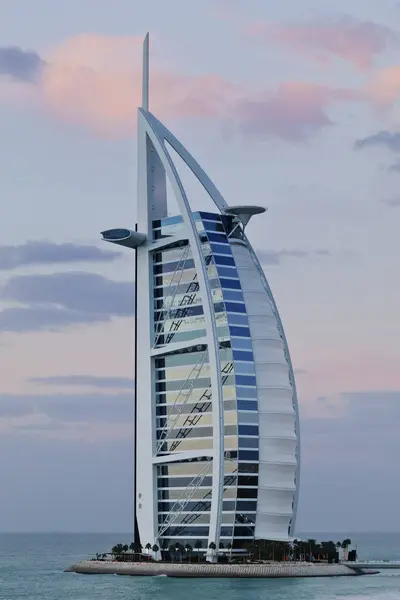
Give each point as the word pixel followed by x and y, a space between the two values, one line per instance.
pixel 145 74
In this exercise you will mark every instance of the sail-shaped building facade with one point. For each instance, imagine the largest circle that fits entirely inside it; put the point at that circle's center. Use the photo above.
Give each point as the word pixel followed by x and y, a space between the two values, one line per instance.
pixel 217 449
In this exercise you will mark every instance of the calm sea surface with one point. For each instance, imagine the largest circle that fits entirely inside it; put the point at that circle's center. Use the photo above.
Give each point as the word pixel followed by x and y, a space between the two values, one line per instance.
pixel 31 568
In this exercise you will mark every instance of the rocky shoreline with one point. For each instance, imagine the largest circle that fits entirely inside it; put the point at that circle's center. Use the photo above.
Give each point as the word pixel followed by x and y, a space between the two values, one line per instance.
pixel 255 570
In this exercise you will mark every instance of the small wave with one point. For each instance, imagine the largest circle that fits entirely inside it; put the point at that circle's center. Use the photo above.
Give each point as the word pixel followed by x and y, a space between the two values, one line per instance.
pixel 370 595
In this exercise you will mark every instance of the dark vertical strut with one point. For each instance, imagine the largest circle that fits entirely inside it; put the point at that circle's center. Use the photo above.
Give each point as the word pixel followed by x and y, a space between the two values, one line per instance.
pixel 136 536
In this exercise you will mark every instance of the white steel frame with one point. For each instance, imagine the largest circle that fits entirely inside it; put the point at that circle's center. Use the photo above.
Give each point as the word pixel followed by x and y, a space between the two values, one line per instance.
pixel 152 136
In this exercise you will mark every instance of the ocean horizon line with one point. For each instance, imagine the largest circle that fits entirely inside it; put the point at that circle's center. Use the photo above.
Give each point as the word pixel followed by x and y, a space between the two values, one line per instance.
pixel 130 533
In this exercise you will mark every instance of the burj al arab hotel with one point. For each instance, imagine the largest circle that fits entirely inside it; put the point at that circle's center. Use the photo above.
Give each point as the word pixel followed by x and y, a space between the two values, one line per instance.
pixel 217 448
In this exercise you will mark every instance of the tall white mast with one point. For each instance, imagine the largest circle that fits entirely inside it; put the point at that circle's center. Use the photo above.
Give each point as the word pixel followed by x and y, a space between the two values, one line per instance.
pixel 145 74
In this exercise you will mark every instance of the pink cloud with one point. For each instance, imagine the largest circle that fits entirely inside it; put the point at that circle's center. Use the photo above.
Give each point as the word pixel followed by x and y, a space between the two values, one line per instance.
pixel 357 42
pixel 227 10
pixel 95 81
pixel 295 111
pixel 383 90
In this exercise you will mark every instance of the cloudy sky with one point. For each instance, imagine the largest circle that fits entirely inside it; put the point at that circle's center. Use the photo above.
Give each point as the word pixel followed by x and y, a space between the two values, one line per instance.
pixel 291 105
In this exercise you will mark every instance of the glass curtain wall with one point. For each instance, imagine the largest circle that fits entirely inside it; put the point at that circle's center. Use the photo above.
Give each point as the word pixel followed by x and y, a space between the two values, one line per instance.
pixel 183 386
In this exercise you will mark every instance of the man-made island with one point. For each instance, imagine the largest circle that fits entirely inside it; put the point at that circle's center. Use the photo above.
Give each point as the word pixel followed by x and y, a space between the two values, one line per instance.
pixel 247 570
pixel 263 558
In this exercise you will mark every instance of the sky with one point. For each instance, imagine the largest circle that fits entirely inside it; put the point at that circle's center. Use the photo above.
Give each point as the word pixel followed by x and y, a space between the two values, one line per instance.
pixel 293 106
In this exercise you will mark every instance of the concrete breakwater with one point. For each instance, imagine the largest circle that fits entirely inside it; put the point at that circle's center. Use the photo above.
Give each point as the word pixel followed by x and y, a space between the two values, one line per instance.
pixel 266 570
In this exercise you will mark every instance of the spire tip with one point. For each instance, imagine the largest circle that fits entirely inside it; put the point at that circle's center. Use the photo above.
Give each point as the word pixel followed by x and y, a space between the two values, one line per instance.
pixel 146 73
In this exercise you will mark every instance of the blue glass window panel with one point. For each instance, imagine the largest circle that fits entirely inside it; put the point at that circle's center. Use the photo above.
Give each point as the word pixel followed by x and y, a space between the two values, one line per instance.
pixel 171 220
pixel 246 392
pixel 226 506
pixel 245 380
pixel 209 216
pixel 185 531
pixel 247 417
pixel 236 307
pixel 233 295
pixel 241 532
pixel 248 430
pixel 242 343
pixel 166 506
pixel 226 531
pixel 247 468
pixel 218 237
pixel 237 319
pixel 239 332
pixel 224 260
pixel 228 221
pixel 214 226
pixel 227 272
pixel 185 311
pixel 246 505
pixel 248 443
pixel 245 356
pixel 243 368
pixel 221 249
pixel 219 307
pixel 166 482
pixel 231 284
pixel 171 267
pixel 246 494
pixel 248 455
pixel 247 405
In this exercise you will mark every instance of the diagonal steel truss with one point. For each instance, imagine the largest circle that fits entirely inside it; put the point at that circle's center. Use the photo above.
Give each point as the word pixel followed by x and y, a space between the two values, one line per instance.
pixel 185 498
pixel 199 409
pixel 174 283
pixel 181 400
pixel 202 505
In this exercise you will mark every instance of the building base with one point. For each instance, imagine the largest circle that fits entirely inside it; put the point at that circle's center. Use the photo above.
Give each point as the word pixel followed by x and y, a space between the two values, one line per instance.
pixel 256 570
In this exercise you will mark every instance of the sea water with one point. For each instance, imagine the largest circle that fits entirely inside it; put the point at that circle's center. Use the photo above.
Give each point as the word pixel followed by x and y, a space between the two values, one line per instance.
pixel 31 568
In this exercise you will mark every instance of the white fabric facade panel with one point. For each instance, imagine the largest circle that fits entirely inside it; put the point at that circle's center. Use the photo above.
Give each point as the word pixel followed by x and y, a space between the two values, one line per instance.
pixel 277 425
pixel 277 450
pixel 274 525
pixel 274 400
pixel 277 417
pixel 276 476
